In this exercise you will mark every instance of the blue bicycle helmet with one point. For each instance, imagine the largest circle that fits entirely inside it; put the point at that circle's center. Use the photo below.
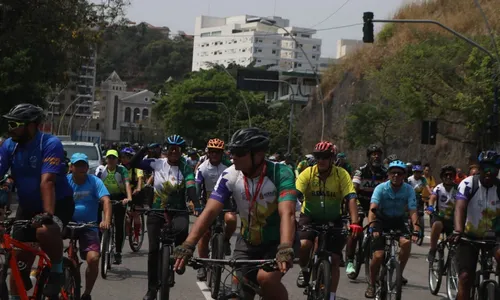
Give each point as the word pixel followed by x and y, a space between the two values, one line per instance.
pixel 489 157
pixel 397 164
pixel 154 145
pixel 417 168
pixel 175 140
pixel 128 151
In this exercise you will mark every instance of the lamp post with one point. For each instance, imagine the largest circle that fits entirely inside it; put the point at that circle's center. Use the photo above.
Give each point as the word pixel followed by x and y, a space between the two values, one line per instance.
pixel 228 114
pixel 51 106
pixel 64 114
pixel 318 87
pixel 74 113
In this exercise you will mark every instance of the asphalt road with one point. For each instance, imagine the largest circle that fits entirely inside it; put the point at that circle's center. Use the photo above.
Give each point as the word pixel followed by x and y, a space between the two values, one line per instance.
pixel 129 280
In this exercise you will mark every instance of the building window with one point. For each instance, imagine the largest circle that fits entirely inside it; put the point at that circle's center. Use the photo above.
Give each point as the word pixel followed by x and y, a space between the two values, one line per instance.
pixel 274 51
pixel 137 115
pixel 97 126
pixel 145 114
pixel 128 112
pixel 115 112
pixel 146 99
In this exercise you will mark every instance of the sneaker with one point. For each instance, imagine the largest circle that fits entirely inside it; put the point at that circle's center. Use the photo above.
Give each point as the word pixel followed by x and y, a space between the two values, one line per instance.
pixel 370 292
pixel 349 270
pixel 431 255
pixel 150 295
pixel 54 284
pixel 303 279
pixel 86 297
pixel 227 248
pixel 202 274
pixel 342 261
pixel 118 259
pixel 404 281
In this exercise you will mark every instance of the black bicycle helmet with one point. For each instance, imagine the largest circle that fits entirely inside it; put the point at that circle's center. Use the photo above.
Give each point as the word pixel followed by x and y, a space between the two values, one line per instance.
pixel 392 157
pixel 254 139
pixel 372 149
pixel 489 157
pixel 25 112
pixel 447 168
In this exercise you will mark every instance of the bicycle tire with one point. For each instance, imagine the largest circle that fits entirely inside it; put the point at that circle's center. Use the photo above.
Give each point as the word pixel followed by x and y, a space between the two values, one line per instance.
pixel 451 272
pixel 136 248
pixel 165 273
pixel 70 271
pixel 217 252
pixel 490 291
pixel 439 259
pixel 40 284
pixel 323 271
pixel 397 285
pixel 358 258
pixel 367 258
pixel 111 246
pixel 104 254
pixel 381 290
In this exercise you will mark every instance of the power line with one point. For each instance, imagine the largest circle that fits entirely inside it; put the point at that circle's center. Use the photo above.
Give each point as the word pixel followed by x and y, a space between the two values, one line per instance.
pixel 331 15
pixel 490 31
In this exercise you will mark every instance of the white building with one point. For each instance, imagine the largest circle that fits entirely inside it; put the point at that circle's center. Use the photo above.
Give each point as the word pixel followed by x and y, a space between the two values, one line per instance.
pixel 234 40
pixel 344 47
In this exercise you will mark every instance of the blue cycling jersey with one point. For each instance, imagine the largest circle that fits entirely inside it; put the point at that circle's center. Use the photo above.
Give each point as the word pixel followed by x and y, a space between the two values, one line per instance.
pixel 87 197
pixel 394 204
pixel 44 154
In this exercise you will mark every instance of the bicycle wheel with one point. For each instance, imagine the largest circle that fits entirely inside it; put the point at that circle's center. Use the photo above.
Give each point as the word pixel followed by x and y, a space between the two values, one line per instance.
pixel 72 280
pixel 323 280
pixel 111 246
pixel 105 257
pixel 165 273
pixel 367 258
pixel 381 286
pixel 490 291
pixel 135 239
pixel 435 274
pixel 4 292
pixel 216 252
pixel 394 281
pixel 40 283
pixel 358 258
pixel 451 278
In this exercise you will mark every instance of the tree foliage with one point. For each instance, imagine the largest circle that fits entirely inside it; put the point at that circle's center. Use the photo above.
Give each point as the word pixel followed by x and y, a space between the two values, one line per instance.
pixel 43 40
pixel 200 122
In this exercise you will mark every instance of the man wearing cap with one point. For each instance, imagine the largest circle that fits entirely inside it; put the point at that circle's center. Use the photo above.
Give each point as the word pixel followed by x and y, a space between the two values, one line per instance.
pixel 116 179
pixel 88 192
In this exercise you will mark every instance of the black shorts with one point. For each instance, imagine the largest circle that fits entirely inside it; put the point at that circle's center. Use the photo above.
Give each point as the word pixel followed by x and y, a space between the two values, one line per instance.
pixel 447 224
pixel 395 224
pixel 467 255
pixel 334 244
pixel 64 211
pixel 246 251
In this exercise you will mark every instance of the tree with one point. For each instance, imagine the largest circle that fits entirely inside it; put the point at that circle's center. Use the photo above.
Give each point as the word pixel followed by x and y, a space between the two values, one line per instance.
pixel 43 40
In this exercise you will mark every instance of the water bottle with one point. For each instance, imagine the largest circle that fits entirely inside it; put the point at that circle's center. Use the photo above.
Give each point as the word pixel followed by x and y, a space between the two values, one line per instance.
pixel 33 275
pixel 25 274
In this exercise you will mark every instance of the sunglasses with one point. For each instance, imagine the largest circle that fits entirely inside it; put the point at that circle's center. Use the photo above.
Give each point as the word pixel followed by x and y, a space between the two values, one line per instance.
pixel 14 125
pixel 492 170
pixel 214 152
pixel 322 156
pixel 449 175
pixel 396 173
pixel 239 152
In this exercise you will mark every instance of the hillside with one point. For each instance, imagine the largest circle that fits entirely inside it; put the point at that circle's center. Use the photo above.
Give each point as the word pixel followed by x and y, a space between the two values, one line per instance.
pixel 143 56
pixel 413 72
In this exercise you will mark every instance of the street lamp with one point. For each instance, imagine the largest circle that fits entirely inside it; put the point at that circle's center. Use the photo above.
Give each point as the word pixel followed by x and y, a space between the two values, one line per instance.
pixel 318 87
pixel 64 113
pixel 228 114
pixel 74 113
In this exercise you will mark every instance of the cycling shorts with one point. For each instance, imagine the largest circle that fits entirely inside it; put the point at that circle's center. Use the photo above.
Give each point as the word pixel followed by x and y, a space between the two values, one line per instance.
pixel 378 243
pixel 334 244
pixel 447 224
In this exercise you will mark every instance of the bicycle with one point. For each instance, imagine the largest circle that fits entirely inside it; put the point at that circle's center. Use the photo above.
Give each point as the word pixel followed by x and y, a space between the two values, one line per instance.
pixel 362 248
pixel 108 245
pixel 240 282
pixel 167 239
pixel 8 247
pixel 484 288
pixel 319 265
pixel 217 251
pixel 135 237
pixel 72 252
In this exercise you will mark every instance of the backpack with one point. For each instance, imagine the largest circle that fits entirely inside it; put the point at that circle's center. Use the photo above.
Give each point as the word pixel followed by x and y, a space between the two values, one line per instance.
pixel 475 187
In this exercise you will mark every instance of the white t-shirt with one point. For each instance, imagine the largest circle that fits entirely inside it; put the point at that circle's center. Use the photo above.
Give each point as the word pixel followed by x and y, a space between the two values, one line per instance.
pixel 208 174
pixel 445 200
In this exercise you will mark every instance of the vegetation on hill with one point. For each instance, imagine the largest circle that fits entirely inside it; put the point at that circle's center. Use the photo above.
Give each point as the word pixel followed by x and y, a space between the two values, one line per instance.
pixel 417 72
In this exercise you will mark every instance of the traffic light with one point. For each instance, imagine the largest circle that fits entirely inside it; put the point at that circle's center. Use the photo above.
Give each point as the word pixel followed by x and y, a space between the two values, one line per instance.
pixel 428 133
pixel 368 27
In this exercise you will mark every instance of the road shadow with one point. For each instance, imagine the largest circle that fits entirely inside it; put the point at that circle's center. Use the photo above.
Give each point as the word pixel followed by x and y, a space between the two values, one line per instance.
pixel 135 254
pixel 416 287
pixel 121 273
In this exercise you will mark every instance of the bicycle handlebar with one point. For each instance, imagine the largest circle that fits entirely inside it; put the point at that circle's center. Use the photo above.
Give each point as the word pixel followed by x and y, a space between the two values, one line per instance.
pixel 268 265
pixel 75 225
pixel 323 228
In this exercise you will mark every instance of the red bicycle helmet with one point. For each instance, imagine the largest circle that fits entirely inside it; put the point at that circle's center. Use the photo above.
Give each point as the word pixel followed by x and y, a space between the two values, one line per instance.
pixel 325 147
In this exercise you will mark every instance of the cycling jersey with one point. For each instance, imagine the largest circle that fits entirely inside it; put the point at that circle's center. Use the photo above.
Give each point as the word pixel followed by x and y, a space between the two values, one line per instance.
pixel 87 197
pixel 134 174
pixel 208 174
pixel 260 220
pixel 417 184
pixel 322 201
pixel 445 202
pixel 170 182
pixel 367 181
pixel 301 166
pixel 483 208
pixel 43 155
pixel 113 180
pixel 394 204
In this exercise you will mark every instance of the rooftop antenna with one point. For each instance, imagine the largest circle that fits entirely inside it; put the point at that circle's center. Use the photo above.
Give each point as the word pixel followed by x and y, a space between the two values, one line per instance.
pixel 209 8
pixel 274 11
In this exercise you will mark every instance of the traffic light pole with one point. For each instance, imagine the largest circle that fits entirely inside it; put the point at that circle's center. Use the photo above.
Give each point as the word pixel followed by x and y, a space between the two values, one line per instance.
pixel 368 20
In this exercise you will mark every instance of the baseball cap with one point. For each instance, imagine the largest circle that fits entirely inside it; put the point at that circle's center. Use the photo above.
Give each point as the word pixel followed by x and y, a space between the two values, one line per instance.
pixel 112 152
pixel 79 157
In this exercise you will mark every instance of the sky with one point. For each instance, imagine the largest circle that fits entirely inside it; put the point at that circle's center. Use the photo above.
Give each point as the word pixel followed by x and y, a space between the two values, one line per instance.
pixel 180 15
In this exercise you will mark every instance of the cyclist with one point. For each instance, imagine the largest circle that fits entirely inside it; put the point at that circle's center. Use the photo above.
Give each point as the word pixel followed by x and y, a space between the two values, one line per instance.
pixel 88 191
pixel 192 158
pixel 477 211
pixel 419 184
pixel 207 175
pixel 265 195
pixel 309 161
pixel 36 161
pixel 365 179
pixel 442 201
pixel 136 183
pixel 117 181
pixel 343 163
pixel 390 200
pixel 324 188
pixel 173 181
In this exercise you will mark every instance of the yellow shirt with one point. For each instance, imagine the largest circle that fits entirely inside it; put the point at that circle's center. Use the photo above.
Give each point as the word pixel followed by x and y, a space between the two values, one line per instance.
pixel 432 184
pixel 323 200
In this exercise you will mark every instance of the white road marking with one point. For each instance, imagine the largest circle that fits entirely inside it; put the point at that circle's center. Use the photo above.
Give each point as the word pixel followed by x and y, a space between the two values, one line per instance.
pixel 204 290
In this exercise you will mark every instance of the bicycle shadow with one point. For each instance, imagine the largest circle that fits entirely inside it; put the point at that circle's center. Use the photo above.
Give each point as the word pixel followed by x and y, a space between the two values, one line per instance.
pixel 122 273
pixel 135 254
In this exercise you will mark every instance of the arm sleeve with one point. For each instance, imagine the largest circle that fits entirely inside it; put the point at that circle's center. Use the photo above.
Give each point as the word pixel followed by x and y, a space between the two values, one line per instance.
pixel 199 176
pixel 412 199
pixel 348 191
pixel 52 157
pixel 101 189
pixel 435 191
pixel 286 185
